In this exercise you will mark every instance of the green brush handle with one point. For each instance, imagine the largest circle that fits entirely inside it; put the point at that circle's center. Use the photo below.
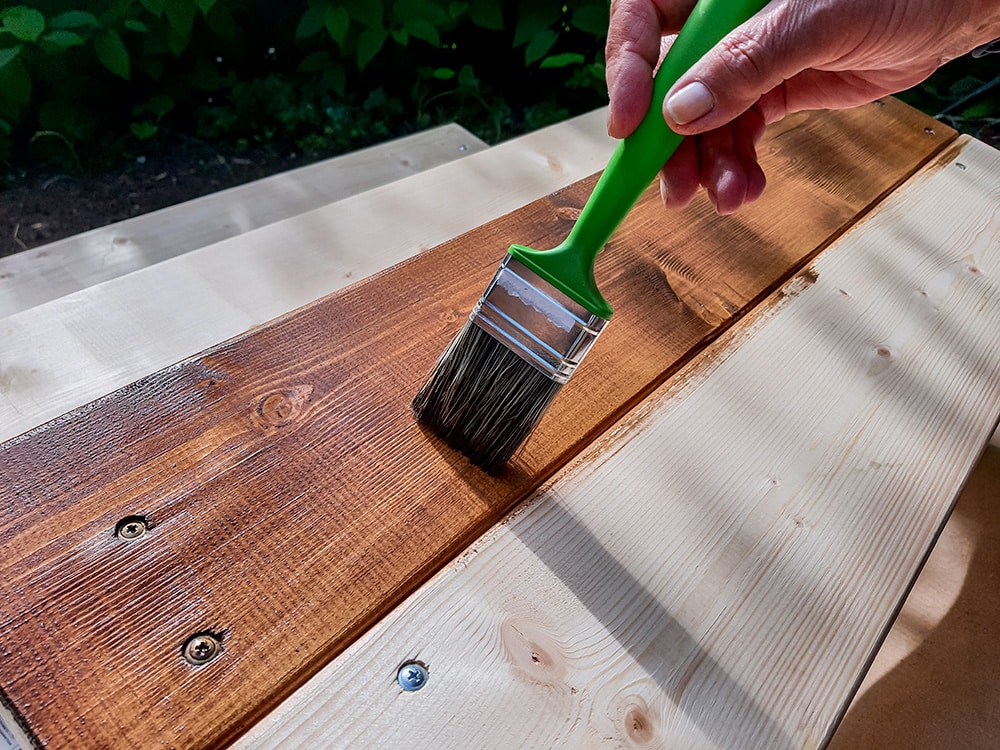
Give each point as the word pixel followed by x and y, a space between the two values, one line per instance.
pixel 635 162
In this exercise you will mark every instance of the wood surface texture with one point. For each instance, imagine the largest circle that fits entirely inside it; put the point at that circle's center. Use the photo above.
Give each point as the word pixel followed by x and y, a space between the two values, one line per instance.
pixel 718 569
pixel 63 354
pixel 293 501
pixel 44 273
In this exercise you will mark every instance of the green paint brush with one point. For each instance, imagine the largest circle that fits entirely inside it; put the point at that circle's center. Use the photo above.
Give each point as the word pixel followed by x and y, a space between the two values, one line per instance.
pixel 543 311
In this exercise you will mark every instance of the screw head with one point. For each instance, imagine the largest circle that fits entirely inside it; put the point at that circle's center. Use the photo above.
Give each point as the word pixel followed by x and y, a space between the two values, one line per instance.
pixel 201 649
pixel 131 527
pixel 412 676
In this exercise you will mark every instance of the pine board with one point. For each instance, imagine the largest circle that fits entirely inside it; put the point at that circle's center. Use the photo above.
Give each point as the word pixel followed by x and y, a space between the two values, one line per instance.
pixel 292 500
pixel 719 568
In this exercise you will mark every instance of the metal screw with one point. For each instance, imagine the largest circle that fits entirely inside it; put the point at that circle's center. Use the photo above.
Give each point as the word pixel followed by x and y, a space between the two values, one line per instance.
pixel 412 676
pixel 131 527
pixel 202 648
pixel 929 131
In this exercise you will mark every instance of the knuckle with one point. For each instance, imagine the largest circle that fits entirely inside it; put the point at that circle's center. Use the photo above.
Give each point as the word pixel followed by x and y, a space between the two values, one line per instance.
pixel 744 56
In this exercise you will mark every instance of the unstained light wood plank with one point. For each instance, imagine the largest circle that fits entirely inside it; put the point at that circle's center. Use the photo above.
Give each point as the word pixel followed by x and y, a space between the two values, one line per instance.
pixel 718 569
pixel 291 498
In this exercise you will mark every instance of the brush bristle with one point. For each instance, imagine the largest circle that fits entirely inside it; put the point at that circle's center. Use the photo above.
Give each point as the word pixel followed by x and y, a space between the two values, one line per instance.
pixel 483 399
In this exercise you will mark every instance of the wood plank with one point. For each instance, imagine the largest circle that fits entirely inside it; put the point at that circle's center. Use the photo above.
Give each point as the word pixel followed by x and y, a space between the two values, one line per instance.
pixel 36 276
pixel 719 568
pixel 61 355
pixel 292 499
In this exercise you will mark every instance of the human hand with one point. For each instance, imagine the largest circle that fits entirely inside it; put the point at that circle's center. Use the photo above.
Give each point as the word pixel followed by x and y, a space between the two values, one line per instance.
pixel 793 55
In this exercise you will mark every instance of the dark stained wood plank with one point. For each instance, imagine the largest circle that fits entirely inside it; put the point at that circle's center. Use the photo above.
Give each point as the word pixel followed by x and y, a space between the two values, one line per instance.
pixel 290 496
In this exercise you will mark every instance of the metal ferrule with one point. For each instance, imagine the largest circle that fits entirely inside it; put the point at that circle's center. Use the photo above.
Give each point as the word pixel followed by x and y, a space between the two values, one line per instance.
pixel 535 320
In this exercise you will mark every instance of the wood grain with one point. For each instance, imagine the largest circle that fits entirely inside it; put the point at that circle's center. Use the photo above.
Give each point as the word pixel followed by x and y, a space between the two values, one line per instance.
pixel 718 569
pixel 293 501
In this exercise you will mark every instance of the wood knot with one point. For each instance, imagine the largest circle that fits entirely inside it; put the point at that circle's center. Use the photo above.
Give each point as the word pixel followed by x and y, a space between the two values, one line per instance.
pixel 533 652
pixel 280 408
pixel 640 726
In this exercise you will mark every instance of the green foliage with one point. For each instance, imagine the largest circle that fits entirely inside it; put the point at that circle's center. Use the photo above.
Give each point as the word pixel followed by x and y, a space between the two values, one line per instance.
pixel 85 83
pixel 80 82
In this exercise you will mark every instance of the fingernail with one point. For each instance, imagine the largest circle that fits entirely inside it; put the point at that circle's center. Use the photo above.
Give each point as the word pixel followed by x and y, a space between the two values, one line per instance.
pixel 690 103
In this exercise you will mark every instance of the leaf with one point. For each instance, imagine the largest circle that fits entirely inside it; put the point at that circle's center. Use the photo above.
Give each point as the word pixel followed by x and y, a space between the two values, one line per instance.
pixel 59 40
pixel 15 85
pixel 155 7
pixel 368 12
pixel 405 11
pixel 112 53
pixel 335 77
pixel 181 18
pixel 73 19
pixel 423 29
pixel 563 60
pixel 985 108
pixel 133 25
pixel 540 44
pixel 457 9
pixel 221 22
pixel 400 37
pixel 444 74
pixel 487 13
pixel 337 21
pixel 311 21
pixel 467 80
pixel 205 5
pixel 592 18
pixel 143 130
pixel 25 23
pixel 160 104
pixel 370 44
pixel 534 18
pixel 8 54
pixel 315 62
pixel 176 43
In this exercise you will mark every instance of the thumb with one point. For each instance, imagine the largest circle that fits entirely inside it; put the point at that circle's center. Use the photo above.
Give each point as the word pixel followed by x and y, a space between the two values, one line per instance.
pixel 748 66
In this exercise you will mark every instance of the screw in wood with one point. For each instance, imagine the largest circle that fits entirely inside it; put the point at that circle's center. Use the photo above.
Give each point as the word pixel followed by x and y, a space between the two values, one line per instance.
pixel 201 648
pixel 412 676
pixel 131 528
